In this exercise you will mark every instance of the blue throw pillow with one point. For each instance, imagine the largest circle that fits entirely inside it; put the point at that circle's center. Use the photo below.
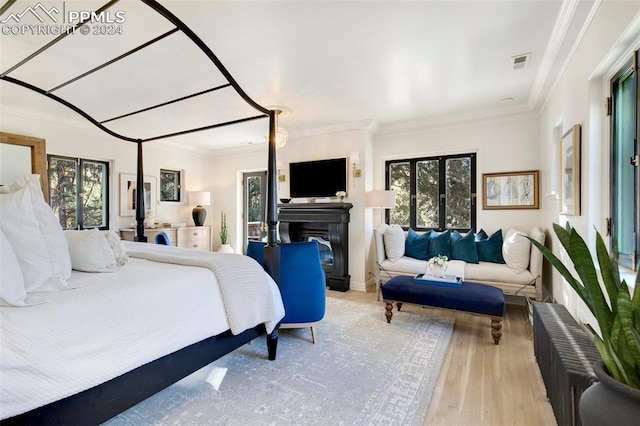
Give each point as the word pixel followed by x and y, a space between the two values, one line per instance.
pixel 481 235
pixel 439 243
pixel 416 245
pixel 490 249
pixel 463 247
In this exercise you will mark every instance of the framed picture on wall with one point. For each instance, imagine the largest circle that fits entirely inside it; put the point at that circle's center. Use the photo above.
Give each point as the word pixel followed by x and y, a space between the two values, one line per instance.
pixel 128 194
pixel 510 190
pixel 569 174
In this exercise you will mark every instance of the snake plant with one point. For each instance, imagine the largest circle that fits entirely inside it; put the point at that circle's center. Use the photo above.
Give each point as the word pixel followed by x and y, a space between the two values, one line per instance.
pixel 615 309
pixel 223 228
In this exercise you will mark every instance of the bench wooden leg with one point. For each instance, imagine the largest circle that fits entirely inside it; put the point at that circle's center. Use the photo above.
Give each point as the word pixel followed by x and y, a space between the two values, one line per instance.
pixel 388 306
pixel 496 329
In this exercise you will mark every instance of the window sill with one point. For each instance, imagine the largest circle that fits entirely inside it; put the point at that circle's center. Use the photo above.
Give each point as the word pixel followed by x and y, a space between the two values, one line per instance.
pixel 628 275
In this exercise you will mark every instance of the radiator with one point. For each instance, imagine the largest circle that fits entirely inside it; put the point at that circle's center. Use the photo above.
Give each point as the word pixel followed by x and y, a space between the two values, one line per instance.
pixel 565 354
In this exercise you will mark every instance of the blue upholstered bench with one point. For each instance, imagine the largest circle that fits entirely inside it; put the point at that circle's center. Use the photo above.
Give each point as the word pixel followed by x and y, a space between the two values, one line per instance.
pixel 469 297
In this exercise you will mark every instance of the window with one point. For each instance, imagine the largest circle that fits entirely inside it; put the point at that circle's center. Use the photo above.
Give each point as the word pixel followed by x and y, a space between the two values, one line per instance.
pixel 433 193
pixel 79 192
pixel 170 185
pixel 625 167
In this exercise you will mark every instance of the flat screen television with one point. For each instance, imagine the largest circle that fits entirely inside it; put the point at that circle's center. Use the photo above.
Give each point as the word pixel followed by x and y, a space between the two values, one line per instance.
pixel 320 178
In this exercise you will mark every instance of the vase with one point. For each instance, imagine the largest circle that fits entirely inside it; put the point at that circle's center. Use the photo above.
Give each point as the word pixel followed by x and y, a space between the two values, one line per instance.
pixel 609 402
pixel 436 270
pixel 225 248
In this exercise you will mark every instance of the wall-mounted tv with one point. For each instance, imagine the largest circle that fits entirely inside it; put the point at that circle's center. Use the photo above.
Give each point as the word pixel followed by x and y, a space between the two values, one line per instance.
pixel 321 178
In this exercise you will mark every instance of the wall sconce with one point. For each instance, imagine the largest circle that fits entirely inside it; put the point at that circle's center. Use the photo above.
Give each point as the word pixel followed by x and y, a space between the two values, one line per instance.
pixel 281 177
pixel 355 162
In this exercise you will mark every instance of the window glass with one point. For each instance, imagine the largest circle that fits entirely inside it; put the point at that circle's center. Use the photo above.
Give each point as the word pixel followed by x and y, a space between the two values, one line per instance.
pixel 625 171
pixel 170 185
pixel 433 193
pixel 79 192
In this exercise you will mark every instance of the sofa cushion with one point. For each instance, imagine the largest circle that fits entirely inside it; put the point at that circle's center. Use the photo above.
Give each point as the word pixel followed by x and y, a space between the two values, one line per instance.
pixel 463 247
pixel 416 245
pixel 493 272
pixel 439 244
pixel 516 250
pixel 394 242
pixel 490 249
pixel 405 265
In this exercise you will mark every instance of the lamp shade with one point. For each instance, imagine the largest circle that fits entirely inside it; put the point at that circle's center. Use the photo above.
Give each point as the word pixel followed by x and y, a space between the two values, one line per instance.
pixel 381 199
pixel 200 198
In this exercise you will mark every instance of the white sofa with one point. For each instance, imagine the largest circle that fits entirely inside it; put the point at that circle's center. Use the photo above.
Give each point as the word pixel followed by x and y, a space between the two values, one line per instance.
pixel 525 283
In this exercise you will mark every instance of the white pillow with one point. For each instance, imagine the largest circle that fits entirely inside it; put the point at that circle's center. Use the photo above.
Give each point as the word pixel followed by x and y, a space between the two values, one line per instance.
pixel 116 247
pixel 12 291
pixel 90 251
pixel 516 250
pixel 22 229
pixel 394 242
pixel 50 230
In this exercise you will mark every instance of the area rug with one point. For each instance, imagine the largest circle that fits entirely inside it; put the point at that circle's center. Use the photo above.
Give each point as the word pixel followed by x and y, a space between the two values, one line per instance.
pixel 361 371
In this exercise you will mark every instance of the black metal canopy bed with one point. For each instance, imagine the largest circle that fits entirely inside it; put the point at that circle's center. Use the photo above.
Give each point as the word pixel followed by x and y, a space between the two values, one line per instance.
pixel 106 399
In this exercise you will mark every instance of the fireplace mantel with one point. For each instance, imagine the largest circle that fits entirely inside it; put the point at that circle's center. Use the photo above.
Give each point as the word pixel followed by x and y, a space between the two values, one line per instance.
pixel 329 221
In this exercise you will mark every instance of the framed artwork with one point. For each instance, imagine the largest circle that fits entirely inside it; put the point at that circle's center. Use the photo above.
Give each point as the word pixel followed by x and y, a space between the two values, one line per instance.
pixel 128 194
pixel 569 185
pixel 510 190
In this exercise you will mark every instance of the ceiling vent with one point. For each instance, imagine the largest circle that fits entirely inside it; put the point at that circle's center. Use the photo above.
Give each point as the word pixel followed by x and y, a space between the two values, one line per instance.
pixel 521 61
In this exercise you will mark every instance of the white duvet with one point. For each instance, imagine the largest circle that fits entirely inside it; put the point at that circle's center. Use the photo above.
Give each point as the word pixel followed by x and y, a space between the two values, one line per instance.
pixel 111 324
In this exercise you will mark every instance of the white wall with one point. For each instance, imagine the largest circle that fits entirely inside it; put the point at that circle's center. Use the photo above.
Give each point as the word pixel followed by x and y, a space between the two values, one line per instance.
pixel 75 137
pixel 503 144
pixel 578 98
pixel 336 144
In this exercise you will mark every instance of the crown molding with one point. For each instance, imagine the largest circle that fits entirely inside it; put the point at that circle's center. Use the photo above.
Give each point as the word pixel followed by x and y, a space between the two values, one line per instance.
pixel 556 40
pixel 456 120
pixel 367 125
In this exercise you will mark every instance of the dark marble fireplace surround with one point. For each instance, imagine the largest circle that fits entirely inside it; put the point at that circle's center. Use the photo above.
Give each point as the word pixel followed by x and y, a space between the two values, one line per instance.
pixel 329 224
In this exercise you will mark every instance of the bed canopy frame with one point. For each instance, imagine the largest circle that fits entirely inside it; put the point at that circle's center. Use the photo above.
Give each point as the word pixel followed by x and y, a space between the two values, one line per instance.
pixel 181 27
pixel 108 399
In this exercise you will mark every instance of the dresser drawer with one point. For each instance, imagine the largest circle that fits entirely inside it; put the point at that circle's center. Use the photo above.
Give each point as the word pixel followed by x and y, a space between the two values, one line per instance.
pixel 195 238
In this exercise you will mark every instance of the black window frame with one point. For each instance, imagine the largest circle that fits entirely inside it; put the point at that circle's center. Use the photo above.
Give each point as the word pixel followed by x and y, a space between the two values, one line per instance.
pixel 80 211
pixel 441 190
pixel 630 261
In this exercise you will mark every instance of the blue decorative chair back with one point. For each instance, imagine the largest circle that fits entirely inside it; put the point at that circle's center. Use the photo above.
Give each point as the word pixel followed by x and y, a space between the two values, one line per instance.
pixel 302 281
pixel 162 238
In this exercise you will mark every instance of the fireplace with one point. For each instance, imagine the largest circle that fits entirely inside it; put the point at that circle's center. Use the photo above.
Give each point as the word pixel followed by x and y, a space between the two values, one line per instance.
pixel 326 223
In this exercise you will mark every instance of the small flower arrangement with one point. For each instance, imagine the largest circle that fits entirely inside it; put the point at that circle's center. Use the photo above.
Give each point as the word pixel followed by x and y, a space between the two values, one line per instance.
pixel 439 260
pixel 341 195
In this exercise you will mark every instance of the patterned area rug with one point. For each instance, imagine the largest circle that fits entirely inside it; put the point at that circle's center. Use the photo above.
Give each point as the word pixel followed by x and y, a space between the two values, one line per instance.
pixel 361 371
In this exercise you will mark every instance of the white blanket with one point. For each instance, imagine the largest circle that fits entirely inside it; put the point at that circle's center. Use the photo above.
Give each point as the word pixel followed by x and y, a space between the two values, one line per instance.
pixel 110 324
pixel 245 290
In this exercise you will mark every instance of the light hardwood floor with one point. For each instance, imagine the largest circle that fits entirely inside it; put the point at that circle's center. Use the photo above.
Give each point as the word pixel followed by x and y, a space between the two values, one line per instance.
pixel 481 383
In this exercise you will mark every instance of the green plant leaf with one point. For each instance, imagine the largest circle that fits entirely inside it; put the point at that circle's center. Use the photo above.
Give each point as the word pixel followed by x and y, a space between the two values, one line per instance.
pixel 562 269
pixel 631 350
pixel 583 263
pixel 607 271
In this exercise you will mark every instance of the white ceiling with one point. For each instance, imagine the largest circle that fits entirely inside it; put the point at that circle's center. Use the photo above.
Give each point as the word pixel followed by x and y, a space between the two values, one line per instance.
pixel 332 63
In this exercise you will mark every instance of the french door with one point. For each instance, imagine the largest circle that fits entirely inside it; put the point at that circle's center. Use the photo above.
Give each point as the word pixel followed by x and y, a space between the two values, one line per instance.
pixel 254 206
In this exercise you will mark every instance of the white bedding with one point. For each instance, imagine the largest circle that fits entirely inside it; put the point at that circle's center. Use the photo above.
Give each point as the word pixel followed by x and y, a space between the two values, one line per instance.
pixel 111 324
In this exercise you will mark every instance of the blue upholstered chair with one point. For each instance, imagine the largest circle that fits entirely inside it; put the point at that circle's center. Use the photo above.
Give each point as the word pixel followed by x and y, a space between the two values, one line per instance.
pixel 302 283
pixel 162 238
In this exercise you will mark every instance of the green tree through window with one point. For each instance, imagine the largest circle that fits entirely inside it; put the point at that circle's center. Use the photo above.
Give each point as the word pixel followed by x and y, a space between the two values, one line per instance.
pixel 79 192
pixel 433 193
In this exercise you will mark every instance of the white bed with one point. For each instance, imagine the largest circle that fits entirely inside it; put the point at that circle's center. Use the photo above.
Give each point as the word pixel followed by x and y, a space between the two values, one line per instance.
pixel 109 325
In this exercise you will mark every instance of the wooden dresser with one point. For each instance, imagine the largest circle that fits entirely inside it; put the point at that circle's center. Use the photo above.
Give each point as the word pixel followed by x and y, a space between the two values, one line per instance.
pixel 195 237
